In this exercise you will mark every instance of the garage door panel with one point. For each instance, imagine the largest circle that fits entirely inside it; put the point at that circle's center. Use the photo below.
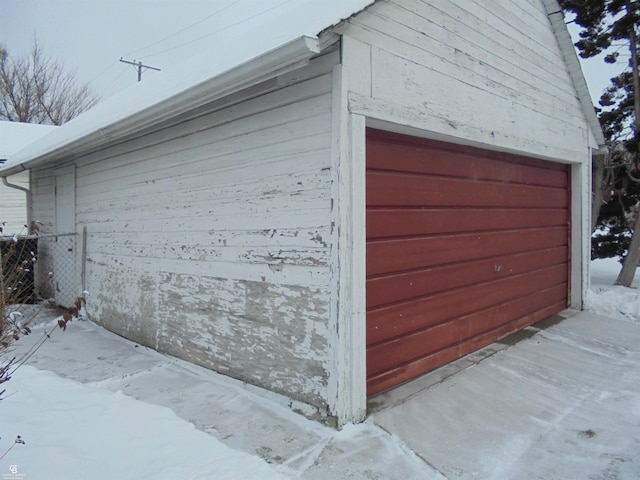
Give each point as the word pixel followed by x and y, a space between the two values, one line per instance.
pixel 419 283
pixel 402 190
pixel 388 256
pixel 390 223
pixel 402 373
pixel 400 319
pixel 408 348
pixel 478 165
pixel 464 246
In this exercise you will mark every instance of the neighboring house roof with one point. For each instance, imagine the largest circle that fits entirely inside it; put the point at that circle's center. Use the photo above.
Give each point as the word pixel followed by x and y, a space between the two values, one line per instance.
pixel 286 36
pixel 14 136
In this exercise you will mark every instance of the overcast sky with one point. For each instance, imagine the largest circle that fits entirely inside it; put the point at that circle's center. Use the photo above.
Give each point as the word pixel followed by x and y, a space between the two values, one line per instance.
pixel 90 36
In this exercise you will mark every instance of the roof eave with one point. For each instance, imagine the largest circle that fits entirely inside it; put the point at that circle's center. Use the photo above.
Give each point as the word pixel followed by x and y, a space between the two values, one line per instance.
pixel 288 57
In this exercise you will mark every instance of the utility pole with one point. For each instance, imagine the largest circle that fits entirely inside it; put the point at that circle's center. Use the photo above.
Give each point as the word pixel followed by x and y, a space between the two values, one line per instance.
pixel 139 66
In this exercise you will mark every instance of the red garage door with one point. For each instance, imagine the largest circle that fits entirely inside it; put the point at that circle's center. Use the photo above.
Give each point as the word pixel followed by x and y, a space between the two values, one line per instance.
pixel 464 246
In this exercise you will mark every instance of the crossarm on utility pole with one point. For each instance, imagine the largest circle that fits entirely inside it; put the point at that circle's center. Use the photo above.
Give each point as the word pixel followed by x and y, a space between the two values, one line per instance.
pixel 139 66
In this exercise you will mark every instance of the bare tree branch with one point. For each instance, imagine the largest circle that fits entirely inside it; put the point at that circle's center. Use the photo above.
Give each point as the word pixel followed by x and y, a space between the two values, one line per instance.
pixel 37 89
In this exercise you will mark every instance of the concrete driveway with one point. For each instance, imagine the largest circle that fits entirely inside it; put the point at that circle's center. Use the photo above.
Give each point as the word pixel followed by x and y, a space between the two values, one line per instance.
pixel 561 404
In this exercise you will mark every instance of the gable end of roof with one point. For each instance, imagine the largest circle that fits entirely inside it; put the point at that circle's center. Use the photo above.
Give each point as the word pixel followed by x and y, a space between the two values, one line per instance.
pixel 556 17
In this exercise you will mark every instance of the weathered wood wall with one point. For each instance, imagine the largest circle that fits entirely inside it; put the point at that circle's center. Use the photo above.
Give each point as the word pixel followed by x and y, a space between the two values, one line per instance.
pixel 490 73
pixel 210 239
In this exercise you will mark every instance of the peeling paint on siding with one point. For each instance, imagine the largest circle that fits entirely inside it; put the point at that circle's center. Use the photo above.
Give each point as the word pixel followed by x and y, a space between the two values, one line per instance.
pixel 273 336
pixel 210 240
pixel 125 302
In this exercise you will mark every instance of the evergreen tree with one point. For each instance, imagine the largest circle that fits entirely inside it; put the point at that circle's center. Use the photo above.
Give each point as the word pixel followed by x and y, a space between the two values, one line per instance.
pixel 612 28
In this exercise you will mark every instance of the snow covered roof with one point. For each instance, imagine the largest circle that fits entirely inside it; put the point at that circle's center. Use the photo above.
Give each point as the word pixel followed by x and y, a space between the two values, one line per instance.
pixel 14 136
pixel 283 36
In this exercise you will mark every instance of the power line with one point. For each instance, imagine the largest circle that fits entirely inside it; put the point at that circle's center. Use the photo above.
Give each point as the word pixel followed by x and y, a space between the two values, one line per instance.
pixel 244 20
pixel 185 28
pixel 110 84
pixel 102 73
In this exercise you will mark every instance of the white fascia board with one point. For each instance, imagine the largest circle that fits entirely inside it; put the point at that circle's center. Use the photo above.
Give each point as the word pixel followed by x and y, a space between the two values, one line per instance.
pixel 556 17
pixel 288 57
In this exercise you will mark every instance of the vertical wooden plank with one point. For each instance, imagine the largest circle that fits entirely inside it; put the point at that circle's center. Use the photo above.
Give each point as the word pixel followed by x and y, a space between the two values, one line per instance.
pixel 347 382
pixel 580 232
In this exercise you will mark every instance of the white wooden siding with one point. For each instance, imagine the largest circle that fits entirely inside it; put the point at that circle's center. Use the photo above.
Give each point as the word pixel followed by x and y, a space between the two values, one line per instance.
pixel 485 73
pixel 13 205
pixel 210 240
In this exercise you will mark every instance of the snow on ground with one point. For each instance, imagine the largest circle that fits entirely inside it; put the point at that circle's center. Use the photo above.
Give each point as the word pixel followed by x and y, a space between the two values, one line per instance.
pixel 74 431
pixel 125 412
pixel 607 299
